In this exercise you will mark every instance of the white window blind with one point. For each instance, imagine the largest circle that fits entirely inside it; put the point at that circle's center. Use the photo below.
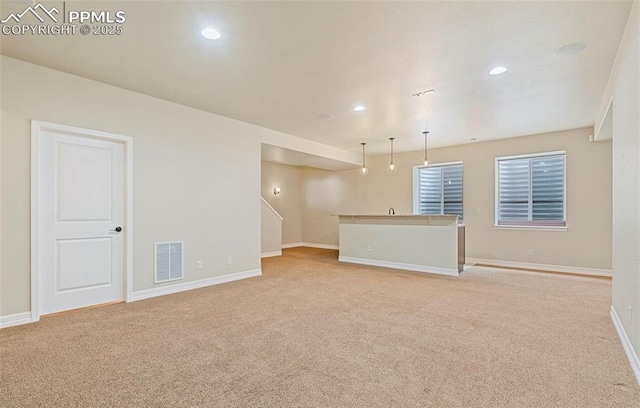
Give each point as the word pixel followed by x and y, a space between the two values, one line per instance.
pixel 439 190
pixel 530 190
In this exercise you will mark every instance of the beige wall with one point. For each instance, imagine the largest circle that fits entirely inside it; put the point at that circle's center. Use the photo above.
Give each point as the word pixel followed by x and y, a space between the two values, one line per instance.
pixel 270 231
pixel 624 87
pixel 183 159
pixel 586 243
pixel 289 202
pixel 325 193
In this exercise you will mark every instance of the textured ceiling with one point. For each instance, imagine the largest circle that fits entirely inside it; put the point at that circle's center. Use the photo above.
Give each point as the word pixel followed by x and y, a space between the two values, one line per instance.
pixel 300 67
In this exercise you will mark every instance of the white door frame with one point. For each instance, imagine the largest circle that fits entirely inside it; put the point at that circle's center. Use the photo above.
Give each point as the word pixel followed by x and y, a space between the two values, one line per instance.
pixel 36 132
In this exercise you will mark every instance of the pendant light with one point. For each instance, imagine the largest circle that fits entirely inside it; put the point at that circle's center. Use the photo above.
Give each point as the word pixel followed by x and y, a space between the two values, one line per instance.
pixel 363 170
pixel 392 166
pixel 426 160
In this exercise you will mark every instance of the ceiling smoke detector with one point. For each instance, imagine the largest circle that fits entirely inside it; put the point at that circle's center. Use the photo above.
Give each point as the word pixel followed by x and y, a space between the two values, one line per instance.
pixel 571 49
pixel 418 94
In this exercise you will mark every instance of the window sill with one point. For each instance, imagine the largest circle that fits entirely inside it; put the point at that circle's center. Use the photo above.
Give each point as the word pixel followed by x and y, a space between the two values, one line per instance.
pixel 531 227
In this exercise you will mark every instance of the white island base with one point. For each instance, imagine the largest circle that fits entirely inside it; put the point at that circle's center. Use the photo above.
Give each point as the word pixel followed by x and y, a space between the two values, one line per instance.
pixel 422 243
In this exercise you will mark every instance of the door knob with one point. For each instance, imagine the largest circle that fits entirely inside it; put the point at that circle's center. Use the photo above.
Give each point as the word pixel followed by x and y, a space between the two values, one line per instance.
pixel 117 229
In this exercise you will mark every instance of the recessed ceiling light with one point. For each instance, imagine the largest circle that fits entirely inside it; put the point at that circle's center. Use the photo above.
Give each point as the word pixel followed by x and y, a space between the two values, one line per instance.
pixel 210 33
pixel 498 71
pixel 358 108
pixel 571 49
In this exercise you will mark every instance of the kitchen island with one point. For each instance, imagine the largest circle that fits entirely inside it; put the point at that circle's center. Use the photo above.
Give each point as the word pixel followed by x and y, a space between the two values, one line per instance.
pixel 422 243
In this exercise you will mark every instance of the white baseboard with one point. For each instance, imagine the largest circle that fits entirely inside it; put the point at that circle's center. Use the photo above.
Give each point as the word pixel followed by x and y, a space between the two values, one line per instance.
pixel 310 245
pixel 270 254
pixel 202 283
pixel 294 245
pixel 321 246
pixel 626 344
pixel 541 267
pixel 399 265
pixel 15 319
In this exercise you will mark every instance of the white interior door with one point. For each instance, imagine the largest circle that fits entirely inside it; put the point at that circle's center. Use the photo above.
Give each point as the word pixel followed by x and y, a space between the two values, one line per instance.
pixel 80 220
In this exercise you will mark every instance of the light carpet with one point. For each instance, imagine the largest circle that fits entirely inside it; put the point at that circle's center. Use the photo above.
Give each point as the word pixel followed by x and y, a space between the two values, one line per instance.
pixel 312 332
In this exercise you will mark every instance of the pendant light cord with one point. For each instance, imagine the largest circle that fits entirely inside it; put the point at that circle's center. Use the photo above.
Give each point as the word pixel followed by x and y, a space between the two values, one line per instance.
pixel 391 138
pixel 425 144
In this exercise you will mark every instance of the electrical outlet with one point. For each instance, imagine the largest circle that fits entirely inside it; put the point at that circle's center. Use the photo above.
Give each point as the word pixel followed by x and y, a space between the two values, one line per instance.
pixel 229 260
pixel 530 251
pixel 199 265
pixel 368 248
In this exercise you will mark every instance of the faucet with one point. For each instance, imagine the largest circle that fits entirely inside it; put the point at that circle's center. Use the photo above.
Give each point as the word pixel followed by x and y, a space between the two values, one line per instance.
pixel 392 211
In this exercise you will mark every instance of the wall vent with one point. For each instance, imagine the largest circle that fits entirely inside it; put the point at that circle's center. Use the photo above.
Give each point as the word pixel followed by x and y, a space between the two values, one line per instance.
pixel 168 261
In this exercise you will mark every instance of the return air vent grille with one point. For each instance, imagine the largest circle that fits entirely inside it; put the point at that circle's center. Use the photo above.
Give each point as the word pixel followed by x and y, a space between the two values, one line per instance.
pixel 168 261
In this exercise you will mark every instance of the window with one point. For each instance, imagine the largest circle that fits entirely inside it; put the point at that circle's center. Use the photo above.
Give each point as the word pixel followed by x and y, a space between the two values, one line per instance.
pixel 438 189
pixel 530 190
